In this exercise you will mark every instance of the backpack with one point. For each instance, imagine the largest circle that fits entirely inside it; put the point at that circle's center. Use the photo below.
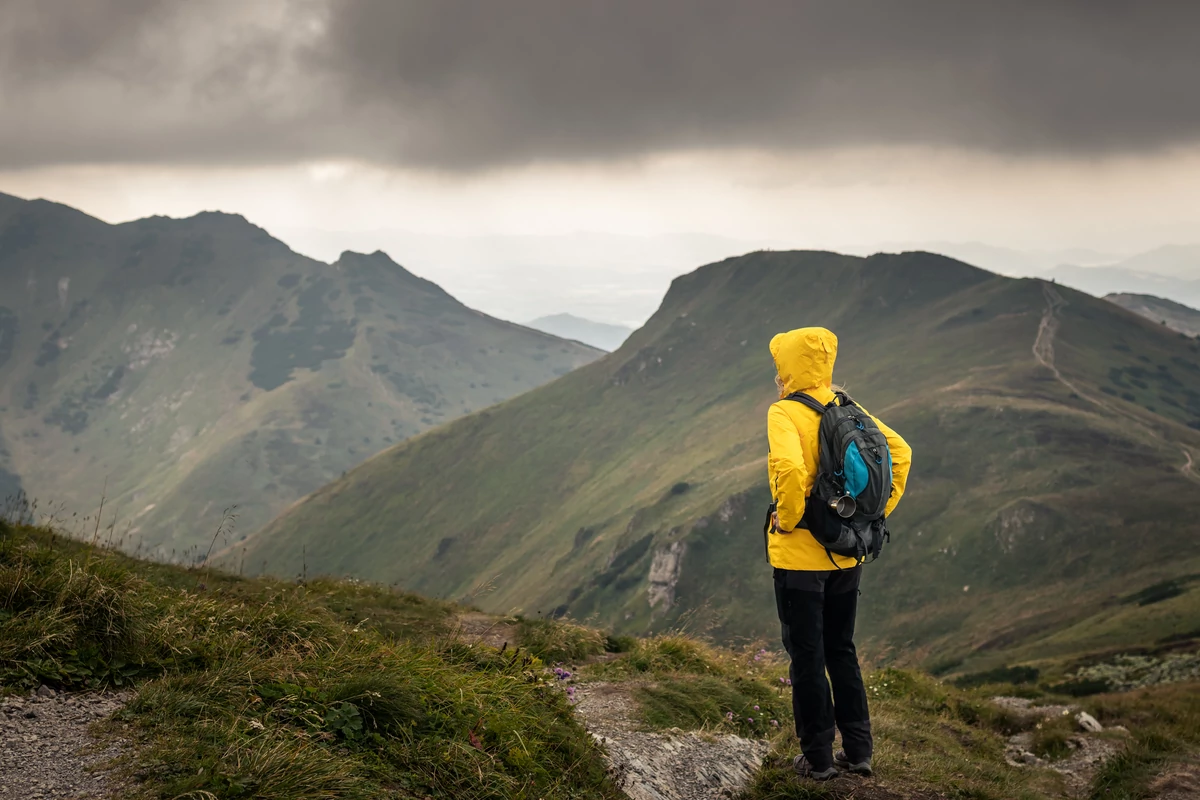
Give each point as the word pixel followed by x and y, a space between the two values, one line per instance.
pixel 845 511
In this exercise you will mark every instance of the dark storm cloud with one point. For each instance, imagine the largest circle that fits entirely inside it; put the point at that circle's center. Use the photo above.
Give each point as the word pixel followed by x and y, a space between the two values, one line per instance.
pixel 466 84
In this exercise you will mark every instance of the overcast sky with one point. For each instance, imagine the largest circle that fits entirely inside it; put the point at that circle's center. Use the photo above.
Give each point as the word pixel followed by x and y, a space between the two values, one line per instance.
pixel 352 123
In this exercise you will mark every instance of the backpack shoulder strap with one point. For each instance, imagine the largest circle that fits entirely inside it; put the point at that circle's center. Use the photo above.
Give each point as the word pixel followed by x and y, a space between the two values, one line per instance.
pixel 843 399
pixel 808 400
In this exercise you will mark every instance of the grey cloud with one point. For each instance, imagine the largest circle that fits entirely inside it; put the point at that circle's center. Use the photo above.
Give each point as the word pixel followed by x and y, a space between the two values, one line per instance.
pixel 470 84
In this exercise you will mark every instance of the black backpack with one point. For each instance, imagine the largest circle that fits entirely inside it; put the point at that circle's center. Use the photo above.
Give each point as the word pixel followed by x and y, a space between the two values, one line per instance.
pixel 845 511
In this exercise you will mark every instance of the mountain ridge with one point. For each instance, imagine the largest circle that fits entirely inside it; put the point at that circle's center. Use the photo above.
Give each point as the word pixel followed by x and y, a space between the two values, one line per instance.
pixel 204 364
pixel 632 488
pixel 1176 316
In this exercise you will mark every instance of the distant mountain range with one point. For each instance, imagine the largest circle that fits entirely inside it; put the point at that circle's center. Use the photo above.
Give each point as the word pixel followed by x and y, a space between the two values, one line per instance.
pixel 1056 441
pixel 1175 316
pixel 1171 272
pixel 182 366
pixel 597 334
pixel 1101 281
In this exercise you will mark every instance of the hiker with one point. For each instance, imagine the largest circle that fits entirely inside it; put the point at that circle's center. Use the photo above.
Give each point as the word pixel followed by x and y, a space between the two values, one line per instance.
pixel 816 589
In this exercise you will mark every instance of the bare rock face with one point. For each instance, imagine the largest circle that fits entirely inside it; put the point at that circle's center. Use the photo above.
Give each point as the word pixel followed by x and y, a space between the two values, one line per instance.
pixel 664 574
pixel 670 765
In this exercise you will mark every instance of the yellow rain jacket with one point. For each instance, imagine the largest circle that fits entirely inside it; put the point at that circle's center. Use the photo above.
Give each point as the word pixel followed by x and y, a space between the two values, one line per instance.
pixel 804 358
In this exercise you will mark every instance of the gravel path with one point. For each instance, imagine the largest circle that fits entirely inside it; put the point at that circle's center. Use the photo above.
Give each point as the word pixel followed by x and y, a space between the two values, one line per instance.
pixel 46 749
pixel 672 765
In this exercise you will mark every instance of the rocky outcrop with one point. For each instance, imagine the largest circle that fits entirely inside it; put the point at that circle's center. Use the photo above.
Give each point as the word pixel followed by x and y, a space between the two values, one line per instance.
pixel 1019 522
pixel 664 574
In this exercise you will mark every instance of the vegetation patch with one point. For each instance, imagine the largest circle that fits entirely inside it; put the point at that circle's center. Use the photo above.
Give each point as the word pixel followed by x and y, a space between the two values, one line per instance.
pixel 250 688
pixel 739 705
pixel 1051 738
pixel 556 641
pixel 1127 672
pixel 1015 675
pixel 1164 590
pixel 666 654
pixel 316 335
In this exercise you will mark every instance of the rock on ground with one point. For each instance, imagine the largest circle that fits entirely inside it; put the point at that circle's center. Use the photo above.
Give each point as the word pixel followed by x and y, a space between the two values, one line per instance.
pixel 671 765
pixel 1088 752
pixel 46 749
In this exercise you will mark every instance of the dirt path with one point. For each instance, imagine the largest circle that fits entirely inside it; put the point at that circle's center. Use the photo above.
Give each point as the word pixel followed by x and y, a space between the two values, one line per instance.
pixel 497 632
pixel 46 749
pixel 669 765
pixel 1043 351
pixel 1043 345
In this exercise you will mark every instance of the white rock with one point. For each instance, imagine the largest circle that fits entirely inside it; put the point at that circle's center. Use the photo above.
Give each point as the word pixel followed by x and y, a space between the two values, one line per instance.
pixel 1088 723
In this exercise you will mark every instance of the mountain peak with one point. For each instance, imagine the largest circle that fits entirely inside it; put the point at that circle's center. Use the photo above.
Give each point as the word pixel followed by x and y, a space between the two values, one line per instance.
pixel 380 263
pixel 378 257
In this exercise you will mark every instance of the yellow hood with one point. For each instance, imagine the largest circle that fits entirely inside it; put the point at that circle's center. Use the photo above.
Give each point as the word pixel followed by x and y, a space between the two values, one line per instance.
pixel 804 358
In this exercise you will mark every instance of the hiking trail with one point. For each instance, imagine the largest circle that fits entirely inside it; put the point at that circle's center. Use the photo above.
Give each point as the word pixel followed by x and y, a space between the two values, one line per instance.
pixel 47 751
pixel 664 765
pixel 1043 352
pixel 645 765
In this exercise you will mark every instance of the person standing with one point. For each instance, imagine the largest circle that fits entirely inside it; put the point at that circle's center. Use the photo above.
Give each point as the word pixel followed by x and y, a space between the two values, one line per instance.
pixel 816 591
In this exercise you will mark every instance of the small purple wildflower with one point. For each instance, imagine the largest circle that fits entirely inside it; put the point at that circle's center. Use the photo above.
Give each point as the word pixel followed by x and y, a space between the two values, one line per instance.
pixel 750 720
pixel 729 716
pixel 774 723
pixel 756 708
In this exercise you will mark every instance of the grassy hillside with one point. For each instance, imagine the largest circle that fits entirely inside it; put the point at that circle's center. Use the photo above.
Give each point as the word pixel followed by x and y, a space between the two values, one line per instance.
pixel 184 366
pixel 631 491
pixel 1175 316
pixel 260 688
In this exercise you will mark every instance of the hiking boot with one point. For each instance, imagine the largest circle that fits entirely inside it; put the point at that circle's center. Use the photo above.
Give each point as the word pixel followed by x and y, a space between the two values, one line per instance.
pixel 857 767
pixel 804 769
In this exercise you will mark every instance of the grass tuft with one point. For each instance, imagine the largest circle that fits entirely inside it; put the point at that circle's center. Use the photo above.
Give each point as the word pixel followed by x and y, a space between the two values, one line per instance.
pixel 554 640
pixel 665 654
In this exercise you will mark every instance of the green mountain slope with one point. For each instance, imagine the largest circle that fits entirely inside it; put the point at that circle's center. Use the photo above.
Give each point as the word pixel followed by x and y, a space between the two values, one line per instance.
pixel 184 366
pixel 1175 316
pixel 1052 464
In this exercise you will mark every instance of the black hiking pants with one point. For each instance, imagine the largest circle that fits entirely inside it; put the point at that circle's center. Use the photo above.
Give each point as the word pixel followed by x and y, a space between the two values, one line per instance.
pixel 816 610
